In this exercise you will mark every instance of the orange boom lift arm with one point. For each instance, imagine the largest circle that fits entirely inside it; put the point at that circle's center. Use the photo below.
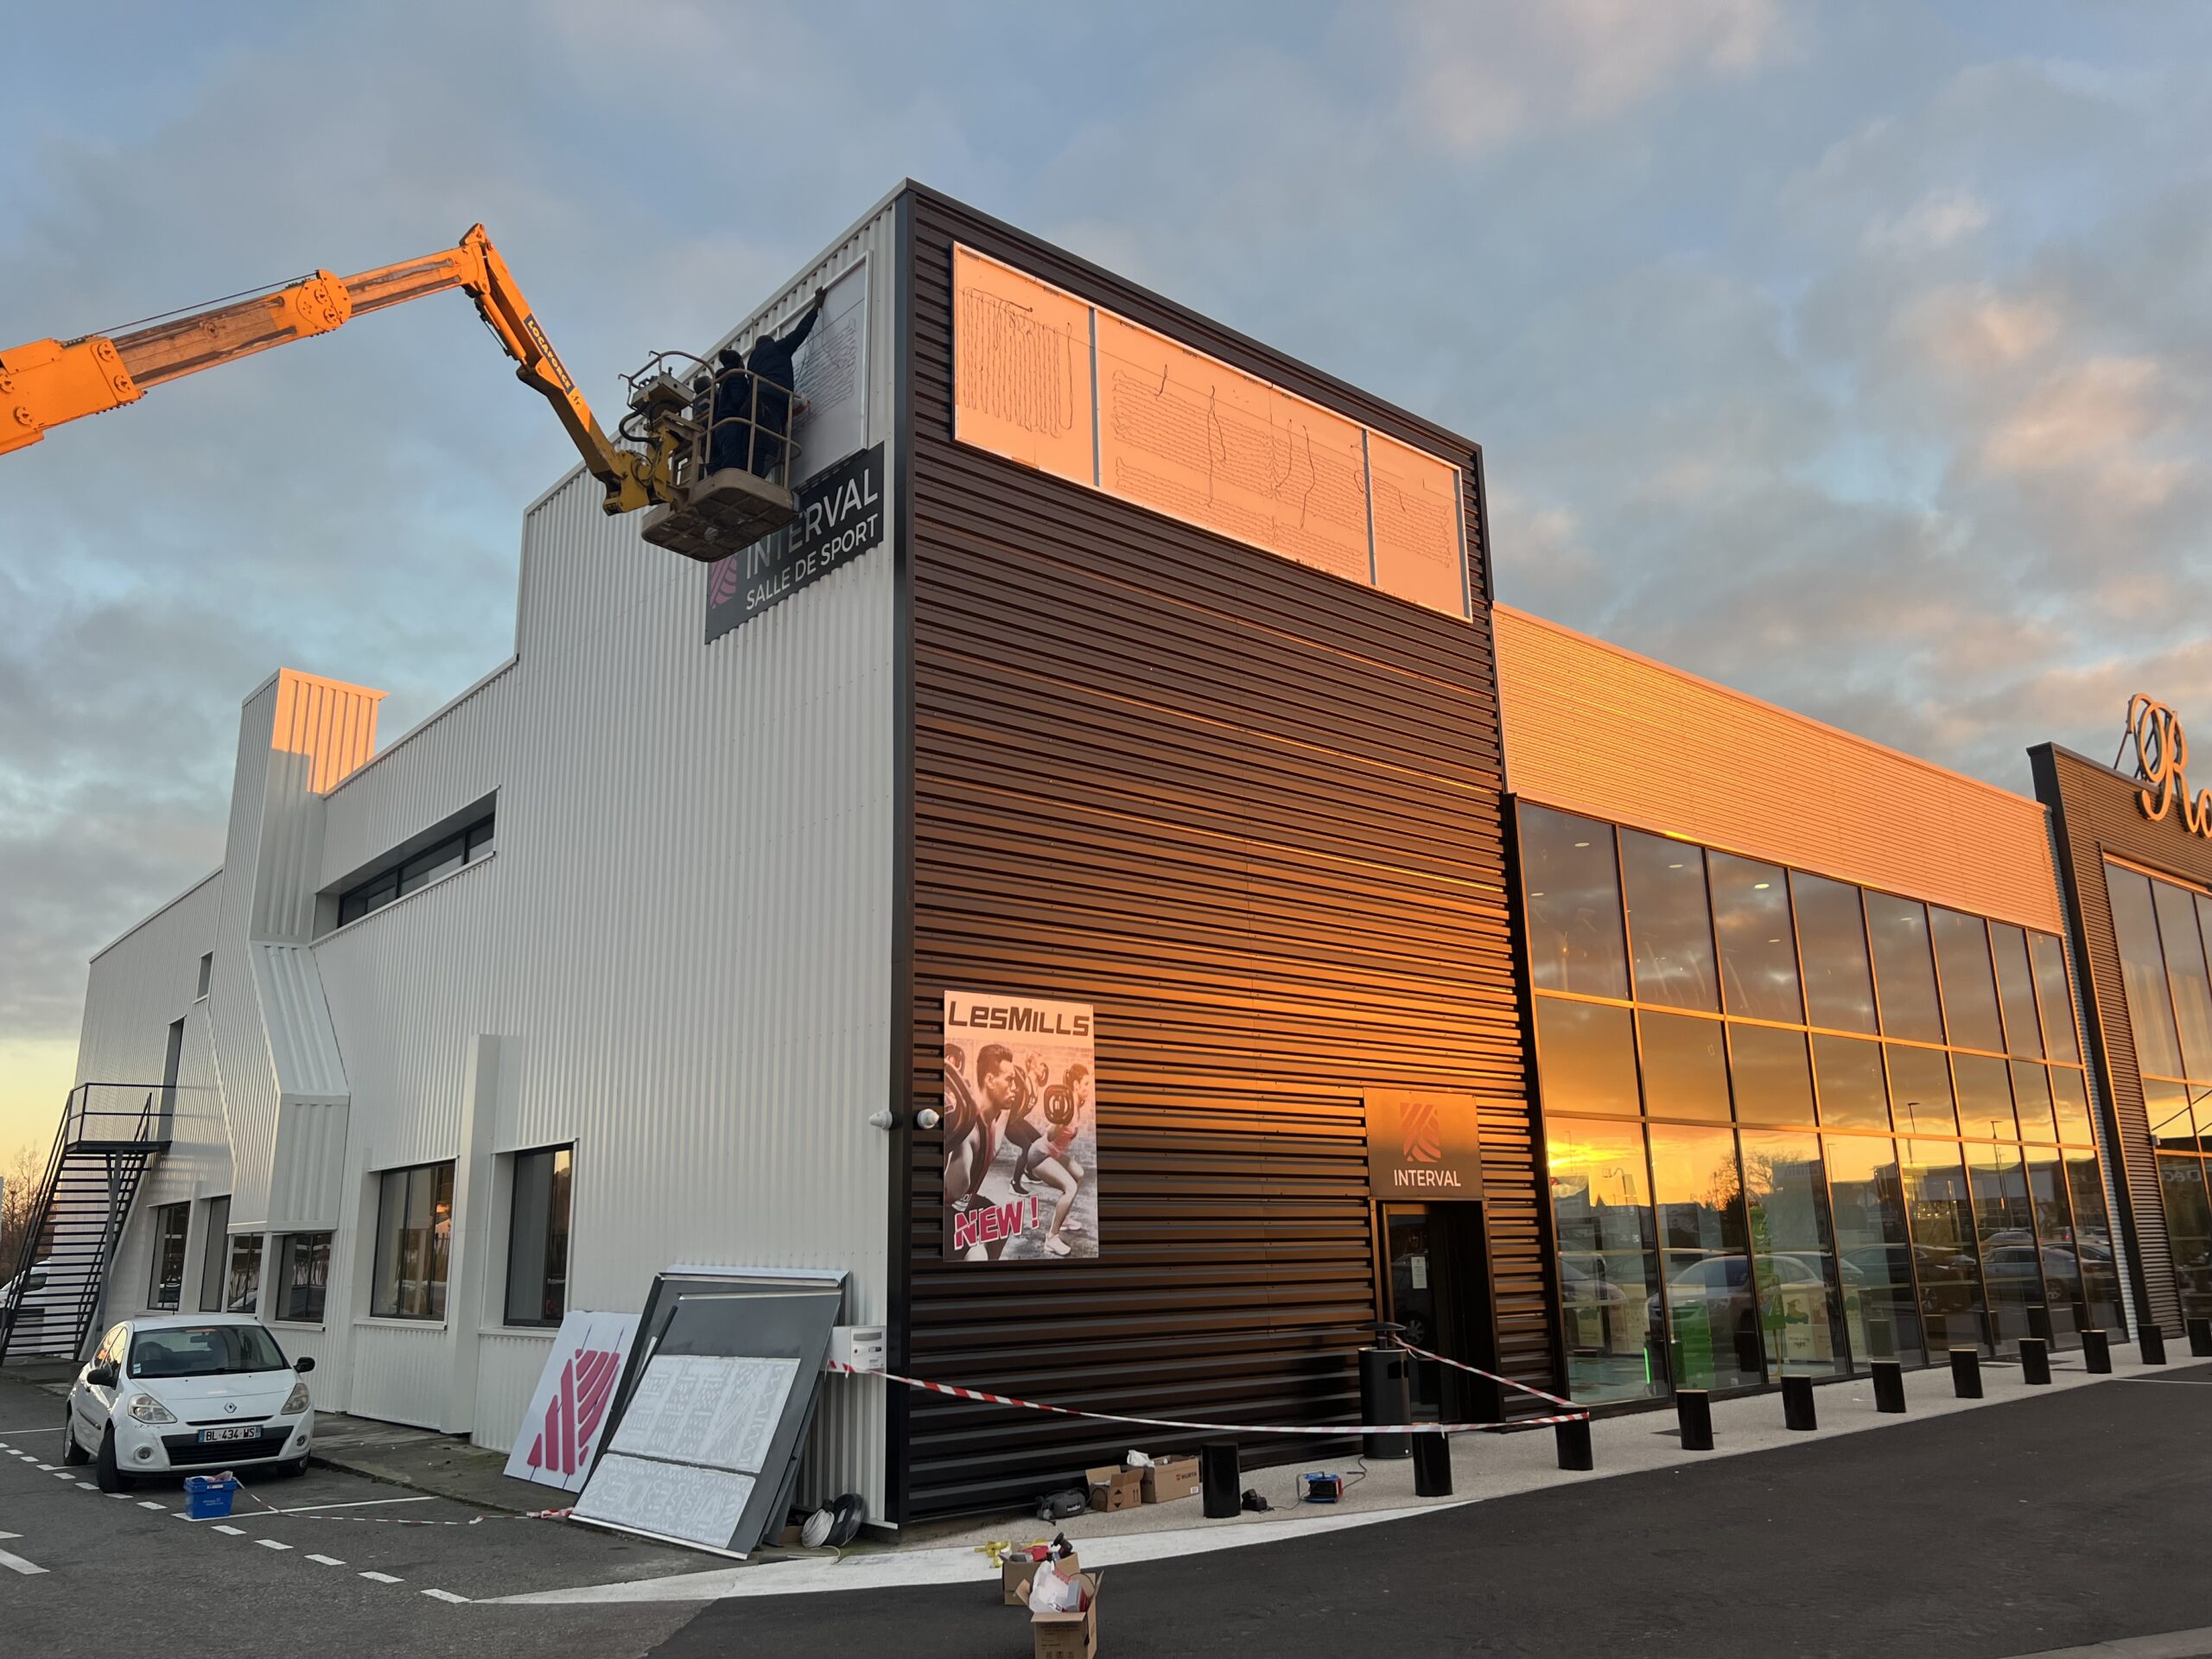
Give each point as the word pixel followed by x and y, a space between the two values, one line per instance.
pixel 49 381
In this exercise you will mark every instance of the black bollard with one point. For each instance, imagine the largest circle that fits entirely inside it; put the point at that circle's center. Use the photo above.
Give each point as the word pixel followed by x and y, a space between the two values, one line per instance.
pixel 1693 1411
pixel 1573 1440
pixel 2200 1339
pixel 1966 1373
pixel 1432 1465
pixel 2035 1359
pixel 2039 1320
pixel 2152 1344
pixel 1385 1396
pixel 1889 1385
pixel 1798 1403
pixel 1221 1478
pixel 2096 1351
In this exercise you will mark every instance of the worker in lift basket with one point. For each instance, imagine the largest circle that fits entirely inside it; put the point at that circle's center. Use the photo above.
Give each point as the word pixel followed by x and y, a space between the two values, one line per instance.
pixel 753 401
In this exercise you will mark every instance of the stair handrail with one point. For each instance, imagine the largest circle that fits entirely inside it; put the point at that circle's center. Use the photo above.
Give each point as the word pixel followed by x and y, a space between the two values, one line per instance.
pixel 75 1111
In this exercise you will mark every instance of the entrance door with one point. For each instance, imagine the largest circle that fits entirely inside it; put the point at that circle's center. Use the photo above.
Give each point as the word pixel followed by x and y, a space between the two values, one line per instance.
pixel 1436 1283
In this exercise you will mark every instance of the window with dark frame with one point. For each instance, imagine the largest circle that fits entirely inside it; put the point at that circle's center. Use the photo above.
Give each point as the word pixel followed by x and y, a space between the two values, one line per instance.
pixel 537 1238
pixel 1851 1214
pixel 207 972
pixel 242 1286
pixel 417 870
pixel 214 1251
pixel 172 1222
pixel 303 1277
pixel 414 1243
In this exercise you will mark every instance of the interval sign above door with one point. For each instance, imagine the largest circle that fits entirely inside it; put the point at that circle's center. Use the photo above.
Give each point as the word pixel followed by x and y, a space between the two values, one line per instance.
pixel 1049 380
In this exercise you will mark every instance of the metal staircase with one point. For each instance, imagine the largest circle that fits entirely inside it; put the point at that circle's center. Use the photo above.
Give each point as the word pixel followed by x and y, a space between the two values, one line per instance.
pixel 110 1132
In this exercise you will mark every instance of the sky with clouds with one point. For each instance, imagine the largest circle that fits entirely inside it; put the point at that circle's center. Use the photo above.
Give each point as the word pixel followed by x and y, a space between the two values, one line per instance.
pixel 1857 356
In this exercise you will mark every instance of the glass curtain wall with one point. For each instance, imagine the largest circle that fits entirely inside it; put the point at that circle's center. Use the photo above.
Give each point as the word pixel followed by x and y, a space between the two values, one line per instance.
pixel 1794 1125
pixel 2164 930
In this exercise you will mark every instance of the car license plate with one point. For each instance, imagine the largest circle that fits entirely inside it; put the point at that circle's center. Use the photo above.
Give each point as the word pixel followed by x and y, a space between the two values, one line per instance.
pixel 243 1431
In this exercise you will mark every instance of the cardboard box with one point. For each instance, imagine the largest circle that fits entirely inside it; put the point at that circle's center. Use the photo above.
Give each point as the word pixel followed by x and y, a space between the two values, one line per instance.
pixel 1069 1636
pixel 1170 1479
pixel 1113 1488
pixel 1016 1571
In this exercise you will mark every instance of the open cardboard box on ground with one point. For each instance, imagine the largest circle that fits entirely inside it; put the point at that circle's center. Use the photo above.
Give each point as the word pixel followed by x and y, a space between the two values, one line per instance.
pixel 1113 1488
pixel 1169 1478
pixel 1015 1572
pixel 1069 1636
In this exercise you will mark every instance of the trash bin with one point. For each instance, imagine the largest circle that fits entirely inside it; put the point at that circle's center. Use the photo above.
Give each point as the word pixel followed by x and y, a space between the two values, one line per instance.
pixel 207 1498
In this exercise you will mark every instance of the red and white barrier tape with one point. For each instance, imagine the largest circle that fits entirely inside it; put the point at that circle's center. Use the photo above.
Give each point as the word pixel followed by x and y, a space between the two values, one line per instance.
pixel 307 1513
pixel 1461 1366
pixel 1336 1431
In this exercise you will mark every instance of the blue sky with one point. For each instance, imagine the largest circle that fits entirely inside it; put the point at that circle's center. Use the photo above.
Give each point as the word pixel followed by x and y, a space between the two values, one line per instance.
pixel 1857 356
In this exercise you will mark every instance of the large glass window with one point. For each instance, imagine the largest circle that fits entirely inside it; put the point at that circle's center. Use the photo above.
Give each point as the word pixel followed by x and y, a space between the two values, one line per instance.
pixel 1608 1264
pixel 2069 1105
pixel 2054 1215
pixel 1669 929
pixel 1588 1057
pixel 414 1243
pixel 1772 1083
pixel 1969 990
pixel 1739 1173
pixel 2189 1231
pixel 166 1286
pixel 1920 1091
pixel 537 1238
pixel 1685 1072
pixel 1985 1096
pixel 303 1277
pixel 2143 971
pixel 1942 1217
pixel 1881 1309
pixel 1848 1072
pixel 2185 978
pixel 1758 949
pixel 1793 1253
pixel 1903 971
pixel 2092 1246
pixel 2053 997
pixel 1574 904
pixel 1712 1311
pixel 2004 1230
pixel 2016 989
pixel 1832 939
pixel 215 1254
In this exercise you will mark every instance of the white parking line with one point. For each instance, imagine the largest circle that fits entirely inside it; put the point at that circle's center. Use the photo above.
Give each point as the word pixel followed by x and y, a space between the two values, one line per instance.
pixel 230 1532
pixel 45 1468
pixel 88 1486
pixel 270 1543
pixel 149 1504
pixel 380 1578
pixel 447 1595
pixel 327 1560
pixel 63 1474
pixel 16 1563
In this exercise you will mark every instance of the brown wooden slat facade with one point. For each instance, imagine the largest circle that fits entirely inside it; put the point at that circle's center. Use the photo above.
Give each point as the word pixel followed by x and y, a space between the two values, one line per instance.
pixel 2093 812
pixel 1252 813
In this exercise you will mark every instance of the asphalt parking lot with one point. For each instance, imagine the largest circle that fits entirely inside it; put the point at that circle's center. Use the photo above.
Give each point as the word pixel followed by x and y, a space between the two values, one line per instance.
pixel 352 1565
pixel 2042 1522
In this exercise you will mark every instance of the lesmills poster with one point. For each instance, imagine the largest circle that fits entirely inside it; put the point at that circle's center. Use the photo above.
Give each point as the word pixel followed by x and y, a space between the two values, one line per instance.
pixel 1020 1129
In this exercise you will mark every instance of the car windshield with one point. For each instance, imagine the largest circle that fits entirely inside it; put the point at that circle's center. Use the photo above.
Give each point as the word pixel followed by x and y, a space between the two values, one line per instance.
pixel 203 1350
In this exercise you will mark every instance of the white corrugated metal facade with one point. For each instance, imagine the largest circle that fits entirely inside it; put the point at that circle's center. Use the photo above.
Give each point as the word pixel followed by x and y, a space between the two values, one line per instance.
pixel 676 959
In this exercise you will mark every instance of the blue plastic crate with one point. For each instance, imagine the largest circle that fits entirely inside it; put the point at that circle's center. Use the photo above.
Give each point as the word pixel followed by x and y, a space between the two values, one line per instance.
pixel 207 1498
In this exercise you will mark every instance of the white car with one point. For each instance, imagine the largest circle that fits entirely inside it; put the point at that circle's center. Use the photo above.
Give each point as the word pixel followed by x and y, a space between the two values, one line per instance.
pixel 184 1394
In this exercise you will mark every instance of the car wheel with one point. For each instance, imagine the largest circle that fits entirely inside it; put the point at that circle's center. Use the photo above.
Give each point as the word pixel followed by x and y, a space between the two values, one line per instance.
pixel 72 1454
pixel 291 1470
pixel 105 1474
